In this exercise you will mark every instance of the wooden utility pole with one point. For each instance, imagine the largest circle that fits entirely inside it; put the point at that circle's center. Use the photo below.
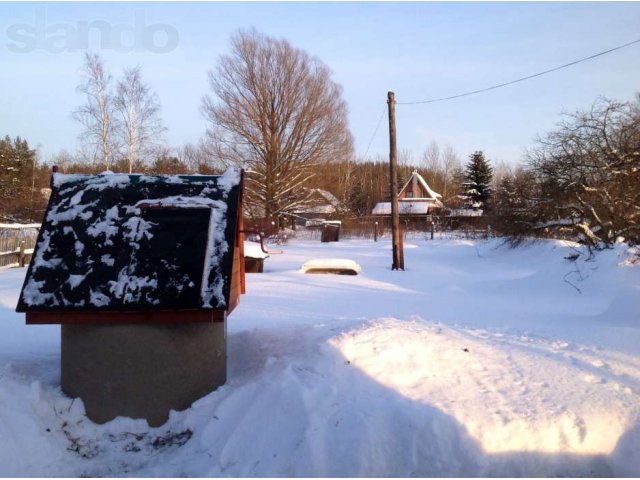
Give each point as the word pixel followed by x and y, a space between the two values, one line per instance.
pixel 396 234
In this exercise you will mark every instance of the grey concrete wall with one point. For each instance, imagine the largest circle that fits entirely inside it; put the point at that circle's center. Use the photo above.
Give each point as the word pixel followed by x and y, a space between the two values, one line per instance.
pixel 142 371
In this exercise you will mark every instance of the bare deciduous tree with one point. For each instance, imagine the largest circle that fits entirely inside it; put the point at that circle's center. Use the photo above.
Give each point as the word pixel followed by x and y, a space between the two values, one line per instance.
pixel 138 110
pixel 199 158
pixel 588 174
pixel 96 114
pixel 431 157
pixel 277 113
pixel 451 167
pixel 439 166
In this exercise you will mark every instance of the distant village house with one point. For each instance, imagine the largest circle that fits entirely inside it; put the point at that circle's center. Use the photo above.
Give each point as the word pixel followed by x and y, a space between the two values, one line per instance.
pixel 416 200
pixel 322 205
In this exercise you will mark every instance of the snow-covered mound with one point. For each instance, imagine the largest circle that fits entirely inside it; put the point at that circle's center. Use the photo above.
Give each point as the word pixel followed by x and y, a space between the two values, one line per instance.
pixel 478 360
pixel 331 265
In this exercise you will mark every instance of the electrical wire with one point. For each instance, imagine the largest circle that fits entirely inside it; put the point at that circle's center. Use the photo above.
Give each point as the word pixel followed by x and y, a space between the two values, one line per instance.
pixel 376 130
pixel 466 94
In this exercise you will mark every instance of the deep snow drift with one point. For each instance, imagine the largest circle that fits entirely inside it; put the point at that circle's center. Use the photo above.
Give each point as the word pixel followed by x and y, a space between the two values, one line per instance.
pixel 479 360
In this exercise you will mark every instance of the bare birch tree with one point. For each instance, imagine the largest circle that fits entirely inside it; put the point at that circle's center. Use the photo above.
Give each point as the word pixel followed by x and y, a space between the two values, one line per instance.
pixel 451 166
pixel 277 113
pixel 440 165
pixel 431 157
pixel 139 124
pixel 96 114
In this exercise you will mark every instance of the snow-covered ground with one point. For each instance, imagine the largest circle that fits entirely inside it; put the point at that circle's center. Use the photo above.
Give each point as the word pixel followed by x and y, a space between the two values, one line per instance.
pixel 479 360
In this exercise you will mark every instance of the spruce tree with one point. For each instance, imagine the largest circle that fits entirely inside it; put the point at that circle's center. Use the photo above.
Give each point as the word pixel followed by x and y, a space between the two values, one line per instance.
pixel 17 163
pixel 477 184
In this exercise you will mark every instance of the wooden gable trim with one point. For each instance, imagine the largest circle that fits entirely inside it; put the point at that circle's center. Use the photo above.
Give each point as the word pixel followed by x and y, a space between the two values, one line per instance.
pixel 415 186
pixel 238 283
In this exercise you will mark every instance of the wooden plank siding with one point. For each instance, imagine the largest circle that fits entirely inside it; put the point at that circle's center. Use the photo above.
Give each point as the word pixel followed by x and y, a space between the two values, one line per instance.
pixel 99 318
pixel 238 285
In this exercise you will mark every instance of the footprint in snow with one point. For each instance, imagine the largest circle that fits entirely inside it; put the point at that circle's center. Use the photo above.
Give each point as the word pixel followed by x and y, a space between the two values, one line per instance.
pixel 593 379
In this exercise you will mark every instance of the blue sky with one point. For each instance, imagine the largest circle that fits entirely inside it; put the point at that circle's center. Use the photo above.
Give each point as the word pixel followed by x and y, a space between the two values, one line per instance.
pixel 420 50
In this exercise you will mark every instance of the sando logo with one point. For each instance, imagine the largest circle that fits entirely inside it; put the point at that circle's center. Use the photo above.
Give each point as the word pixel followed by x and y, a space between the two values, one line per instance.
pixel 97 34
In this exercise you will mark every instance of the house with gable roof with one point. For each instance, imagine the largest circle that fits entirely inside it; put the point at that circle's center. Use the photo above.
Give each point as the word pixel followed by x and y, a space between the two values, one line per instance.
pixel 320 205
pixel 415 200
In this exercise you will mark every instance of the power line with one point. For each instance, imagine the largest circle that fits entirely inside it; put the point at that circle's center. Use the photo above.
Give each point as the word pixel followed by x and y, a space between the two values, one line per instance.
pixel 376 130
pixel 520 79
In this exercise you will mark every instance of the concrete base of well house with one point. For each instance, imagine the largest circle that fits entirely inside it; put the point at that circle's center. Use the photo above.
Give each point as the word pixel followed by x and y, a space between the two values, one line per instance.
pixel 142 371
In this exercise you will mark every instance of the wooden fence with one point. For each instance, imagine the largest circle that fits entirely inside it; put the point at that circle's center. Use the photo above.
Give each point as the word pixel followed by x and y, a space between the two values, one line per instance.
pixel 425 228
pixel 16 244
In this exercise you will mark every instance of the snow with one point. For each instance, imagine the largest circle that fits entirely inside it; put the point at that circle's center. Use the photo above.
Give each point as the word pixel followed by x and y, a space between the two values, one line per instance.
pixel 254 250
pixel 332 264
pixel 423 182
pixel 19 226
pixel 318 210
pixel 330 207
pixel 212 288
pixel 405 207
pixel 478 360
pixel 92 199
pixel 466 212
pixel 229 179
pixel 179 201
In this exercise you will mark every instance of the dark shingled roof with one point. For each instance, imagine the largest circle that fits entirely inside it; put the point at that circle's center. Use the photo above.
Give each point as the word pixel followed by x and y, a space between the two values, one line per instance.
pixel 114 242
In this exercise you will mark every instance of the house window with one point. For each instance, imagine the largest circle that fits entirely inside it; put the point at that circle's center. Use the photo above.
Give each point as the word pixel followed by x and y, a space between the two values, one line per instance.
pixel 409 194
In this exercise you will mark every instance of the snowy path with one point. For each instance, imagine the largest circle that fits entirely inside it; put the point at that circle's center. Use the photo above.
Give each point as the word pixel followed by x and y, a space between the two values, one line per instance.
pixel 479 360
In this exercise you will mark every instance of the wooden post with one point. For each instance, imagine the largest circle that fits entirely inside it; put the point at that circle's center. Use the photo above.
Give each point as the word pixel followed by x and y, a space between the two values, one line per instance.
pixel 396 235
pixel 22 260
pixel 53 170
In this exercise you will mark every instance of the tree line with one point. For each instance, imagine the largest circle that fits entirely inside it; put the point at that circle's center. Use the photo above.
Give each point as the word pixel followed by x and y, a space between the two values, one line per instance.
pixel 275 111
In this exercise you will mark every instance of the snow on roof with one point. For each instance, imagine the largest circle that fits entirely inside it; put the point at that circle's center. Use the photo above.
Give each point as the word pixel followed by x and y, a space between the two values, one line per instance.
pixel 423 183
pixel 314 222
pixel 319 209
pixel 466 212
pixel 134 242
pixel 319 265
pixel 19 226
pixel 404 208
pixel 328 196
pixel 253 250
pixel 330 207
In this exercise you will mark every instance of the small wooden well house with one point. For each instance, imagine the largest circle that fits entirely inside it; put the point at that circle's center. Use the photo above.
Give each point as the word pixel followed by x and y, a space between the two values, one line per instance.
pixel 141 272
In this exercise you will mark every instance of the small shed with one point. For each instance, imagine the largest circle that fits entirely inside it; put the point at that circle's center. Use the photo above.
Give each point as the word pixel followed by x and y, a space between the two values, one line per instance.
pixel 141 272
pixel 254 257
pixel 330 231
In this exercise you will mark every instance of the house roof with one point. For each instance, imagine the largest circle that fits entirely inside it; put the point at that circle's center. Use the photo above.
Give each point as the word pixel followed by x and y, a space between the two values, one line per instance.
pixel 424 185
pixel 325 202
pixel 114 242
